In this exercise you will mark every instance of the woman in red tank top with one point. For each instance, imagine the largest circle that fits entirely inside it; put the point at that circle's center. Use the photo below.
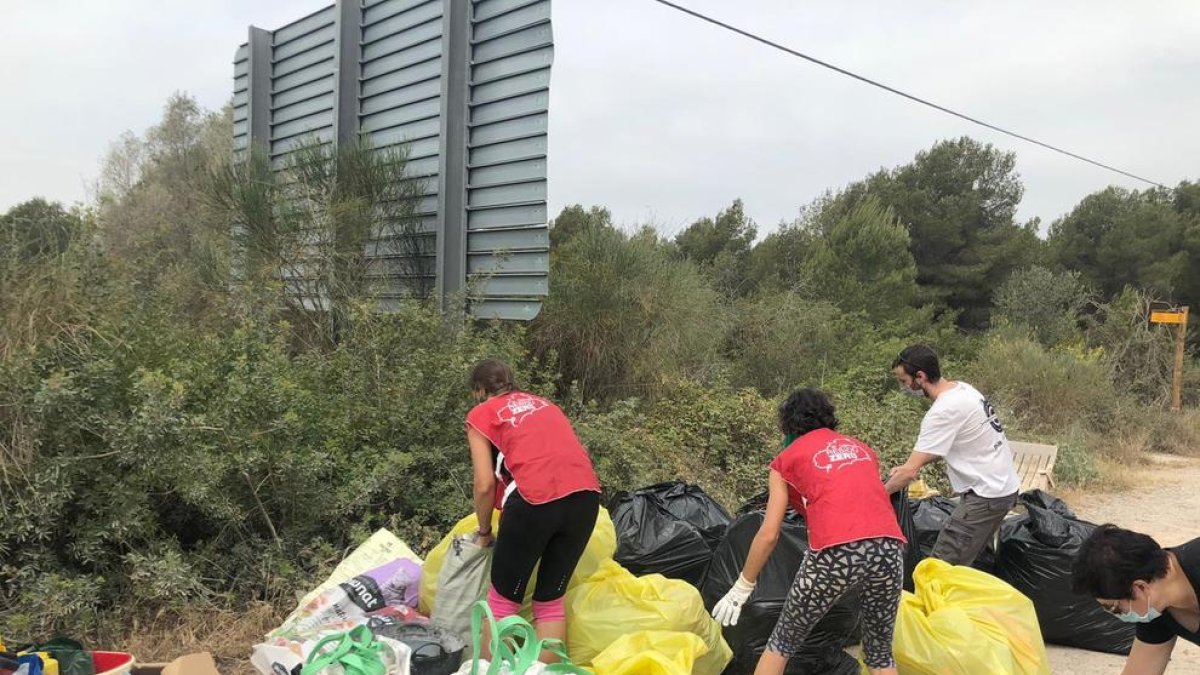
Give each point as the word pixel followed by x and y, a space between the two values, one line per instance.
pixel 854 538
pixel 529 463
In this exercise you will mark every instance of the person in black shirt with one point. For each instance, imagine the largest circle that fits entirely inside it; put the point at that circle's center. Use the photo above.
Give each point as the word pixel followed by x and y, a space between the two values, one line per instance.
pixel 1141 582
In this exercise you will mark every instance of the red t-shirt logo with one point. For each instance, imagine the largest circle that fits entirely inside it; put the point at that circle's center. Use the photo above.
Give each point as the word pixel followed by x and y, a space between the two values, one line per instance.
pixel 517 408
pixel 838 454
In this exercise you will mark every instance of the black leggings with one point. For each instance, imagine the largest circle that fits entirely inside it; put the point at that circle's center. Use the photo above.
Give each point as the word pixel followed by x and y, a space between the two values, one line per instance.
pixel 556 533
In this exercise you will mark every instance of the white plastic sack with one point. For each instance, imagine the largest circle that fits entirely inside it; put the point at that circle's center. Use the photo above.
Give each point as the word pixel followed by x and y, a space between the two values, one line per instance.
pixel 463 581
pixel 273 659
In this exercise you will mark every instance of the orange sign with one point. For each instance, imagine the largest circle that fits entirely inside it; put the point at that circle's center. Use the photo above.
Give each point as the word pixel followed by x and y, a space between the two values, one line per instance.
pixel 1167 317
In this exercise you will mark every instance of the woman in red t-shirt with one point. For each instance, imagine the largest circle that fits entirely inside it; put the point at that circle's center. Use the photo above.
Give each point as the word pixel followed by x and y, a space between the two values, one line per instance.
pixel 529 463
pixel 834 482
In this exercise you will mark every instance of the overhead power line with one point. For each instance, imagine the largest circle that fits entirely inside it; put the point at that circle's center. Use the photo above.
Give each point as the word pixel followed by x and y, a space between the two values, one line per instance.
pixel 893 90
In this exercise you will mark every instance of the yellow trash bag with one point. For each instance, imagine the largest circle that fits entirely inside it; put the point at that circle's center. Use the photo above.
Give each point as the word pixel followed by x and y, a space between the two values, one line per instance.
pixel 961 620
pixel 614 603
pixel 650 652
pixel 601 547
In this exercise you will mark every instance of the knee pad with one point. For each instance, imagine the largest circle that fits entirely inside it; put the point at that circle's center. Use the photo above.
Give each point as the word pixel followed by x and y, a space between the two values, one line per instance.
pixel 551 610
pixel 501 606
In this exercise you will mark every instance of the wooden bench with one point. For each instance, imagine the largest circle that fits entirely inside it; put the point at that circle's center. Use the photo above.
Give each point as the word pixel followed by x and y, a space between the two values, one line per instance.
pixel 1035 464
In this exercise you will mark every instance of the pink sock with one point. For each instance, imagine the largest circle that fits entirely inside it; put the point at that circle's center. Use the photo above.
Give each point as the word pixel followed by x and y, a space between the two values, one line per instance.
pixel 501 606
pixel 551 610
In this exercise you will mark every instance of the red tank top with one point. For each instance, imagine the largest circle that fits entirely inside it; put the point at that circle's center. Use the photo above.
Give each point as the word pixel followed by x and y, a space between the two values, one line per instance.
pixel 833 480
pixel 539 454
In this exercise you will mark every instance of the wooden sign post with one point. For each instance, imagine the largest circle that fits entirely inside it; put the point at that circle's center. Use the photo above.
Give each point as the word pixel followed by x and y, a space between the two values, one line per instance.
pixel 1179 319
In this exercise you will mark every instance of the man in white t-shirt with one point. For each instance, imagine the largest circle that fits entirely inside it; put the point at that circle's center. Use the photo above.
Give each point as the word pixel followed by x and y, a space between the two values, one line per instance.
pixel 961 428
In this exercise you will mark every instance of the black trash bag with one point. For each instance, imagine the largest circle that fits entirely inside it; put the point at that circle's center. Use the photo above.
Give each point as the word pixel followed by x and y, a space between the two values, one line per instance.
pixel 908 527
pixel 823 652
pixel 666 529
pixel 1036 551
pixel 758 503
pixel 930 515
pixel 435 650
pixel 693 506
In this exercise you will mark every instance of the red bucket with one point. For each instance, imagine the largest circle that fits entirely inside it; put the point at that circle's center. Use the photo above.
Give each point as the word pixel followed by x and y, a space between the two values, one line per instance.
pixel 112 663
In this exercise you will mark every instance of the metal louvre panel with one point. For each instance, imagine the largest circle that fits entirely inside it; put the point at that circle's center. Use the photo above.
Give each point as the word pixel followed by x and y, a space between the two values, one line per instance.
pixel 421 110
pixel 424 51
pixel 510 108
pixel 286 145
pixel 512 21
pixel 510 310
pixel 522 148
pixel 303 76
pixel 517 239
pixel 411 75
pixel 318 19
pixel 302 125
pixel 508 240
pixel 430 30
pixel 304 59
pixel 394 24
pixel 320 87
pixel 285 50
pixel 516 64
pixel 323 103
pixel 488 9
pixel 524 40
pixel 376 12
pixel 524 83
pixel 421 91
pixel 524 127
pixel 407 132
pixel 463 87
pixel 506 217
pixel 521 262
pixel 509 172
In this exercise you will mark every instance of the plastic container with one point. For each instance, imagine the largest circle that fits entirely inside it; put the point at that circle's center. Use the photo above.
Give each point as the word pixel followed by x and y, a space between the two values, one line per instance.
pixel 112 663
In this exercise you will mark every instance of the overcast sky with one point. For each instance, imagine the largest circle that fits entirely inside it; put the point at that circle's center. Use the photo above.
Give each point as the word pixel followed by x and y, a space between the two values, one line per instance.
pixel 665 119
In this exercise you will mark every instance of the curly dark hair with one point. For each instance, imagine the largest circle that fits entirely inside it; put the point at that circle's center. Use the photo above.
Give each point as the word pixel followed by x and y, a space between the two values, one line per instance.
pixel 806 410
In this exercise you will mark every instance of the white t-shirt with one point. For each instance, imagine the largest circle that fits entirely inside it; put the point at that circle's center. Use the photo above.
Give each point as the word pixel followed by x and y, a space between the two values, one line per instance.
pixel 962 428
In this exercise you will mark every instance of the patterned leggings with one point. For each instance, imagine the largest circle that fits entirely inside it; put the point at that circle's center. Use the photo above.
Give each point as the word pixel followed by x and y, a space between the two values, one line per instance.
pixel 825 576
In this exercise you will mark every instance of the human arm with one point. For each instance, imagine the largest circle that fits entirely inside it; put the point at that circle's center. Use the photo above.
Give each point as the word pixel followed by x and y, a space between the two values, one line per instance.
pixel 727 611
pixel 484 481
pixel 902 476
pixel 768 533
pixel 1149 659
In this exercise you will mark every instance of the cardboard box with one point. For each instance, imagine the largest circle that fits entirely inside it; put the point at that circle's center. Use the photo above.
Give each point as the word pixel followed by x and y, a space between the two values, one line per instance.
pixel 192 664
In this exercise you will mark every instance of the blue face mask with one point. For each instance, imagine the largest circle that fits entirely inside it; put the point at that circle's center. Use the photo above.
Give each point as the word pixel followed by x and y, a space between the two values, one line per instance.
pixel 1133 617
pixel 915 393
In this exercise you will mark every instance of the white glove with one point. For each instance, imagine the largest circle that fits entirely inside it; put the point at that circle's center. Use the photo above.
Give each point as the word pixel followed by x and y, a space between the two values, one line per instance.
pixel 729 608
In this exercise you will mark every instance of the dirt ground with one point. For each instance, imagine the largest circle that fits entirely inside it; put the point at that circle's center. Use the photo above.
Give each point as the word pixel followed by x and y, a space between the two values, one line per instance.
pixel 1163 502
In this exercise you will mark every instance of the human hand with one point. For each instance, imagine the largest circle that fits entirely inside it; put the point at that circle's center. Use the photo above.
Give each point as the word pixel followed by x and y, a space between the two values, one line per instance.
pixel 484 539
pixel 727 611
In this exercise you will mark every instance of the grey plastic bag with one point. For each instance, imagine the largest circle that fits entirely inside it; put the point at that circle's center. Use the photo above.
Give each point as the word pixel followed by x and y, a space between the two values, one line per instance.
pixel 463 581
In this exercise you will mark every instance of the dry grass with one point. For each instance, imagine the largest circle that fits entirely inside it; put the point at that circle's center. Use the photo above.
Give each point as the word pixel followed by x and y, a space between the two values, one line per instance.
pixel 228 635
pixel 1177 433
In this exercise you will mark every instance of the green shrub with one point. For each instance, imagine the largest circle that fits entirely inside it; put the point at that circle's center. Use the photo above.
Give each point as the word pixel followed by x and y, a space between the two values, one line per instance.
pixel 1038 390
pixel 624 316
